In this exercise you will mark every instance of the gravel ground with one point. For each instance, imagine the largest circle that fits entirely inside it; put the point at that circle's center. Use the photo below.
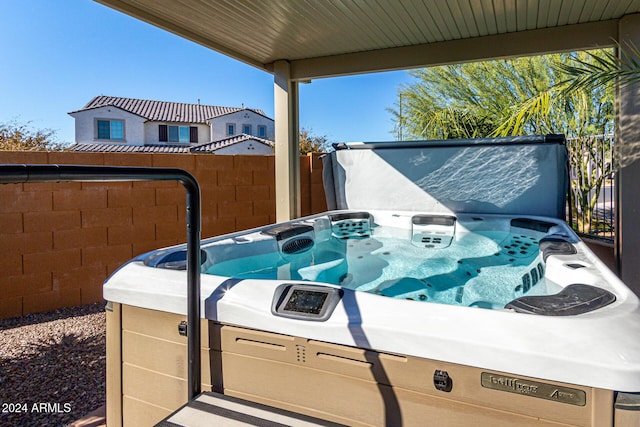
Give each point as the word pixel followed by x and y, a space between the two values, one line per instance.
pixel 52 366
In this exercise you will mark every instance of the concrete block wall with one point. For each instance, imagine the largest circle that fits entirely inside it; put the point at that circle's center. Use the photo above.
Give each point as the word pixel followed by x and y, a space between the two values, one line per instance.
pixel 59 241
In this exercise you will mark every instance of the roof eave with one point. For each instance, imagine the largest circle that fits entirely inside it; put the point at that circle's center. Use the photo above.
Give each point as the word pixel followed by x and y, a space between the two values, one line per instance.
pixel 239 110
pixel 181 31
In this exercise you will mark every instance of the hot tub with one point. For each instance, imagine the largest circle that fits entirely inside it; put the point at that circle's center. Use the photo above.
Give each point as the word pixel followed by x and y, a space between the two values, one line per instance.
pixel 442 312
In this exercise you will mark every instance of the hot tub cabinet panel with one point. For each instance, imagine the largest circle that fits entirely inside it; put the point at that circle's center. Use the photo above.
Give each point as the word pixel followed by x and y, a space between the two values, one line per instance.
pixel 371 388
pixel 339 383
pixel 148 378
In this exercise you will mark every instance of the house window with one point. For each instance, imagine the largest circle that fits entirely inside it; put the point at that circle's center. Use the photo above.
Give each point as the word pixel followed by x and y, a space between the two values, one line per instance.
pixel 110 129
pixel 231 129
pixel 246 129
pixel 262 131
pixel 177 133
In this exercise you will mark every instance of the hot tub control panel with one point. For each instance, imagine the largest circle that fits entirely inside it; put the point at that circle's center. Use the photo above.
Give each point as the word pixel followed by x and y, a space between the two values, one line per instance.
pixel 305 302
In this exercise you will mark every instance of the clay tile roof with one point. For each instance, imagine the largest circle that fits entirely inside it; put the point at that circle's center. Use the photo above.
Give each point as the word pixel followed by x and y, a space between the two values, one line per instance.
pixel 163 111
pixel 206 147
pixel 124 148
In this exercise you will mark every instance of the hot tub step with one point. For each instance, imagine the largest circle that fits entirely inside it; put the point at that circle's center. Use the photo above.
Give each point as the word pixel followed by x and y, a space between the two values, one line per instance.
pixel 212 409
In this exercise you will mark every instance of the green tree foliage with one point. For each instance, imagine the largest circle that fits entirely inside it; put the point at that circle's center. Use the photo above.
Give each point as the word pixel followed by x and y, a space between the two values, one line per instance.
pixel 579 112
pixel 591 164
pixel 21 137
pixel 310 143
pixel 499 98
pixel 521 96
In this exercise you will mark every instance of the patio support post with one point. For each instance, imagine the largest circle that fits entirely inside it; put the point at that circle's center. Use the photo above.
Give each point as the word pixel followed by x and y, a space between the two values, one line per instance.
pixel 287 149
pixel 628 176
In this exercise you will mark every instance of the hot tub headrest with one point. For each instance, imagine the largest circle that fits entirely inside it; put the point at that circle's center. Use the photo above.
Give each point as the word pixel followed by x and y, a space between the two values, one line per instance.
pixel 173 259
pixel 292 238
pixel 532 224
pixel 285 231
pixel 350 224
pixel 572 300
pixel 556 244
pixel 445 220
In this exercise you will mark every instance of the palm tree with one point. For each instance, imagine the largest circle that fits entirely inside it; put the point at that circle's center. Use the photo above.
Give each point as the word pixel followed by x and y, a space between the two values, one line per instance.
pixel 603 69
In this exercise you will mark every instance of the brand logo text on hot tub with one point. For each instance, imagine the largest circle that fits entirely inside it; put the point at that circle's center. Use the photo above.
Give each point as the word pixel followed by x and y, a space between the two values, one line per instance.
pixel 534 388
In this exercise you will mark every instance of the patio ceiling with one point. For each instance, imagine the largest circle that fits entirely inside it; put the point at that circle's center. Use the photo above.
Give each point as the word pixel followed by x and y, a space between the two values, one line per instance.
pixel 300 40
pixel 322 38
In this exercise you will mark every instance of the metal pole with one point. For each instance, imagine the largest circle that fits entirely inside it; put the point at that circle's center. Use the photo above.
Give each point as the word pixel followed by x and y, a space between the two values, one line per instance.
pixel 16 174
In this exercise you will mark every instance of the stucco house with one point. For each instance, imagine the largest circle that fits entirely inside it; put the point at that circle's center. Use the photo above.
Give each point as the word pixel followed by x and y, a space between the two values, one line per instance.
pixel 109 123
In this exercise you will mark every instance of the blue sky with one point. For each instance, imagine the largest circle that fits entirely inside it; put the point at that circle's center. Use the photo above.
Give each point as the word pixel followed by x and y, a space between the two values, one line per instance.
pixel 57 55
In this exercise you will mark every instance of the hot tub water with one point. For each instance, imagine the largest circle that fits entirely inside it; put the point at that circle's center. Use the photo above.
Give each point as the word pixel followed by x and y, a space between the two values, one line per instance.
pixel 479 268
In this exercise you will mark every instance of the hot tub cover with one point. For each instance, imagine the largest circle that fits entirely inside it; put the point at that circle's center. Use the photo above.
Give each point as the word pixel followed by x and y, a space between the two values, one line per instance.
pixel 517 175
